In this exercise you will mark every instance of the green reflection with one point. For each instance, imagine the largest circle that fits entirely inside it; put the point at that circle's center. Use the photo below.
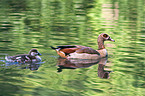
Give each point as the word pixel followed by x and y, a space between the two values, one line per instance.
pixel 26 24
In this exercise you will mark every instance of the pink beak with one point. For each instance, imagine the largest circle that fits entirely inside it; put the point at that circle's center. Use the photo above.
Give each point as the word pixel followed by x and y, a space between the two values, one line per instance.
pixel 112 40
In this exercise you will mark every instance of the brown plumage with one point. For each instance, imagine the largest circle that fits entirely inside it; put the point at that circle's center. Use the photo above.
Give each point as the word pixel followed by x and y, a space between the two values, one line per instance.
pixel 83 52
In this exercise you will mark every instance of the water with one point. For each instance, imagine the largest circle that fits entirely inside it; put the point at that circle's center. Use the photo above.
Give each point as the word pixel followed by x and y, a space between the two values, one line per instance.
pixel 27 24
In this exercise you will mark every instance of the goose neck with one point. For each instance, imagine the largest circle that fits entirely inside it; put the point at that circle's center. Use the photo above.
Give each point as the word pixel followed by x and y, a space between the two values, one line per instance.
pixel 101 43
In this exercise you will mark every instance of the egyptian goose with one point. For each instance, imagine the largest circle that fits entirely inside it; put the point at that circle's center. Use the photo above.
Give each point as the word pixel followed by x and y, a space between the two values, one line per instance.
pixel 23 58
pixel 83 52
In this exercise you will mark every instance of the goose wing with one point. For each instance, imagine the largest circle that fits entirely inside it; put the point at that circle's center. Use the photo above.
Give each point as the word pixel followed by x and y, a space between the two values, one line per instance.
pixel 67 49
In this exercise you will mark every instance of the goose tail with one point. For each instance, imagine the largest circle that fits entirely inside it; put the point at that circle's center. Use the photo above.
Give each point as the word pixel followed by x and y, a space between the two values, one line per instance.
pixel 53 47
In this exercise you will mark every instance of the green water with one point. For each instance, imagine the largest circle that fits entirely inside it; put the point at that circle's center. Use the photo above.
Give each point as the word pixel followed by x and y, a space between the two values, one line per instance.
pixel 27 24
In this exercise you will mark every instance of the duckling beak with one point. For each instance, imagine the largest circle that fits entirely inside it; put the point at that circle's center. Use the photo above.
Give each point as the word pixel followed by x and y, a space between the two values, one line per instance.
pixel 39 54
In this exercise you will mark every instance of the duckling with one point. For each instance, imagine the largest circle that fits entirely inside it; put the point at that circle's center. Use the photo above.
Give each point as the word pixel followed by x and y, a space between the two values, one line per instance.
pixel 23 58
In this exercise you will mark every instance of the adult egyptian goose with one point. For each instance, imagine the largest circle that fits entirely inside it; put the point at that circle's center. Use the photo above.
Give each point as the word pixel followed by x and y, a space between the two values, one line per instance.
pixel 23 58
pixel 83 52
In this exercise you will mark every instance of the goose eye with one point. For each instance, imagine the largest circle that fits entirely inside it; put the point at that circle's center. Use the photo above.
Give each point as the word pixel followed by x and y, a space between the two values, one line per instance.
pixel 105 35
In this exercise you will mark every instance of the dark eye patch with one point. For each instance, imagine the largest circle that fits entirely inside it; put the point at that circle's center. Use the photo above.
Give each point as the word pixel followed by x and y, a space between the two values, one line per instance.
pixel 105 35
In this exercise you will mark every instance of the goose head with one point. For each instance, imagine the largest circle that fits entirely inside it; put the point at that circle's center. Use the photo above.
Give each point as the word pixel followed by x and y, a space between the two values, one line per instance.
pixel 105 37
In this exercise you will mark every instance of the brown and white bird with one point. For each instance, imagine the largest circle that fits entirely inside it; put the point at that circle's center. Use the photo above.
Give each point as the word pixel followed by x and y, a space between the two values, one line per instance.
pixel 83 52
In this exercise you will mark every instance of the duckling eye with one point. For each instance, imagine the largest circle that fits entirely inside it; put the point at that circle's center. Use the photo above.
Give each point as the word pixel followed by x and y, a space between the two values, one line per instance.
pixel 105 35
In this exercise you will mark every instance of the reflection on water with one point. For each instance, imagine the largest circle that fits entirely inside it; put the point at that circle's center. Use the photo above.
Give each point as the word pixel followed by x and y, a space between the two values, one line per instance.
pixel 31 66
pixel 27 24
pixel 83 63
pixel 74 63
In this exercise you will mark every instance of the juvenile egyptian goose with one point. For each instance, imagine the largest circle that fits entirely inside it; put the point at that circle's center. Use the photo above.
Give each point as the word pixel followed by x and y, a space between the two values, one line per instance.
pixel 83 52
pixel 23 58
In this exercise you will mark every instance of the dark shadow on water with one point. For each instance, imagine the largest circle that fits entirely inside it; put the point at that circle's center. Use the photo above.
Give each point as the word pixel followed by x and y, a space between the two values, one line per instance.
pixel 80 63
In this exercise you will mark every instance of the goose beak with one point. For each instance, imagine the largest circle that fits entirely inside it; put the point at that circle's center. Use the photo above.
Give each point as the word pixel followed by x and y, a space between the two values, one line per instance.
pixel 112 40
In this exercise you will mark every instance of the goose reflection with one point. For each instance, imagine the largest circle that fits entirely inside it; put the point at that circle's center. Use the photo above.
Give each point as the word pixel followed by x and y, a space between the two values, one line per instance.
pixel 64 63
pixel 102 73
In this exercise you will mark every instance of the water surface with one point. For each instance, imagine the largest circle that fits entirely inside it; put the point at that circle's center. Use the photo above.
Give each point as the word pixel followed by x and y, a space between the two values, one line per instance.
pixel 27 24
